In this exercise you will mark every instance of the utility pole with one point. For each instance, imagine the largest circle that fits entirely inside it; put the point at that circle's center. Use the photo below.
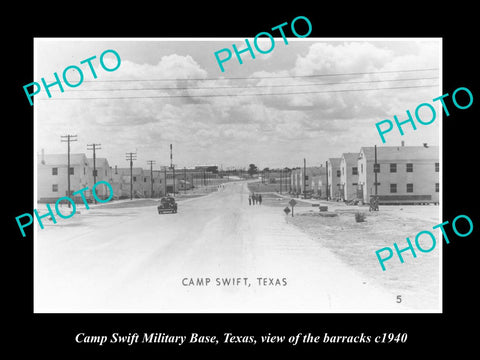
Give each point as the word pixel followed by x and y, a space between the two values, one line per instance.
pixel 172 167
pixel 304 178
pixel 130 157
pixel 375 170
pixel 287 179
pixel 151 162
pixel 281 175
pixel 291 180
pixel 69 138
pixel 94 147
pixel 185 178
pixel 165 181
pixel 326 165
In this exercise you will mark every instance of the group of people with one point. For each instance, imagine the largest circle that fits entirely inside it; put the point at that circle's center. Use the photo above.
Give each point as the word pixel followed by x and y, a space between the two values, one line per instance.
pixel 254 199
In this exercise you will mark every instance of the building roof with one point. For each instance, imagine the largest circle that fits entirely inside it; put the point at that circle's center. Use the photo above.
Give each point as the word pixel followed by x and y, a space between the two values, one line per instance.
pixel 350 158
pixel 62 159
pixel 316 170
pixel 99 162
pixel 126 171
pixel 205 166
pixel 335 161
pixel 401 153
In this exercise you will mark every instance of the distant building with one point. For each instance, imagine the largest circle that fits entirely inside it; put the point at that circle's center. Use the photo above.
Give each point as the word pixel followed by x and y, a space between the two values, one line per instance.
pixel 407 174
pixel 334 175
pixel 121 179
pixel 52 177
pixel 158 183
pixel 185 179
pixel 53 181
pixel 349 176
pixel 208 168
pixel 173 181
pixel 295 181
pixel 104 173
pixel 315 181
pixel 280 178
pixel 115 183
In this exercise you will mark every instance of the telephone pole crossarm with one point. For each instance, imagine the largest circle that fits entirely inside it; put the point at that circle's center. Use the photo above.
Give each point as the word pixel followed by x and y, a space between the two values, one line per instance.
pixel 94 147
pixel 151 162
pixel 68 139
pixel 131 156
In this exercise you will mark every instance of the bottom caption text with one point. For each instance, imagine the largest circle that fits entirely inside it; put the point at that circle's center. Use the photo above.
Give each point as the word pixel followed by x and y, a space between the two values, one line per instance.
pixel 229 338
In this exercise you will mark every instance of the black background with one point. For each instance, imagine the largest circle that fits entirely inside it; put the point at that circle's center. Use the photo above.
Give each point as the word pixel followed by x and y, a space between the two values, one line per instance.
pixel 53 334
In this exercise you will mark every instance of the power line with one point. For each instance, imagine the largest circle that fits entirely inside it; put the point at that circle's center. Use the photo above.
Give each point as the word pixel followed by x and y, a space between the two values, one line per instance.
pixel 226 95
pixel 256 86
pixel 267 77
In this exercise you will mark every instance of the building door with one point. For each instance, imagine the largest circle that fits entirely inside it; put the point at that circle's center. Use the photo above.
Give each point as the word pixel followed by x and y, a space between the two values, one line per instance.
pixel 360 191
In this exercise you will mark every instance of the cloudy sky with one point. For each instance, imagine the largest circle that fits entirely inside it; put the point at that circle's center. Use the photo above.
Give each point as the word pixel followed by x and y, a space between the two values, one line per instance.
pixel 273 111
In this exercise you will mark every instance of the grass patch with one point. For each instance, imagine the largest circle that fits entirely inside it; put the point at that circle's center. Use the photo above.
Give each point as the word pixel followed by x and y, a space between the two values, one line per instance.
pixel 355 243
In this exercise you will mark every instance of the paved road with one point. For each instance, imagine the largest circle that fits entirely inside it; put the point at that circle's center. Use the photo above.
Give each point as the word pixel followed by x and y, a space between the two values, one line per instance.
pixel 132 259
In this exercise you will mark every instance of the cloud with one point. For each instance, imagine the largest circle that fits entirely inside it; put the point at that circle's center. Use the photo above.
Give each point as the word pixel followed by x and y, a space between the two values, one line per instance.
pixel 233 129
pixel 345 102
pixel 333 58
pixel 168 67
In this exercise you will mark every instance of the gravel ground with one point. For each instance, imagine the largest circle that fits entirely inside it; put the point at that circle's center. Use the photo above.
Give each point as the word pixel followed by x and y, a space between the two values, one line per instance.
pixel 133 260
pixel 417 280
pixel 355 243
pixel 271 242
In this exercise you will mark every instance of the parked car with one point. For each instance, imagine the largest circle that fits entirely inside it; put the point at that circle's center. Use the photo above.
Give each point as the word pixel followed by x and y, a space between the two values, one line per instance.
pixel 167 204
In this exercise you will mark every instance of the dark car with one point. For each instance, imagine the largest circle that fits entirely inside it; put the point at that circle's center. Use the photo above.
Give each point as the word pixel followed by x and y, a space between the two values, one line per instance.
pixel 167 204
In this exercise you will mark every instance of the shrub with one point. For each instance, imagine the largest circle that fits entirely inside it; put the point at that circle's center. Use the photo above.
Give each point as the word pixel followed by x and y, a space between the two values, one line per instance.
pixel 359 217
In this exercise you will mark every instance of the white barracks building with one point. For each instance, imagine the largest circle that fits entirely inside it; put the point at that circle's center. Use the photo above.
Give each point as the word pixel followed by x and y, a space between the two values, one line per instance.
pixel 407 174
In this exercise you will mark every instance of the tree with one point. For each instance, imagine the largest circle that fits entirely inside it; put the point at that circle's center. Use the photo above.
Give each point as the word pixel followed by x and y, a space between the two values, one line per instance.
pixel 212 169
pixel 252 169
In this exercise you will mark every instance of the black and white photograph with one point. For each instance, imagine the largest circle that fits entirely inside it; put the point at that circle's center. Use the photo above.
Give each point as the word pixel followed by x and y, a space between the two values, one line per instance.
pixel 220 175
pixel 240 178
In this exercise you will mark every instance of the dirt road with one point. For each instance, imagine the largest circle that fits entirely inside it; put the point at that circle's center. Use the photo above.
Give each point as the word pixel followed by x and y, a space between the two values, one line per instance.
pixel 132 259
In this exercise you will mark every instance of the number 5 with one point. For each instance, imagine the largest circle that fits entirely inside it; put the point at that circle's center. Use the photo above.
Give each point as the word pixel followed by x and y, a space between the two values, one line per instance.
pixel 399 299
